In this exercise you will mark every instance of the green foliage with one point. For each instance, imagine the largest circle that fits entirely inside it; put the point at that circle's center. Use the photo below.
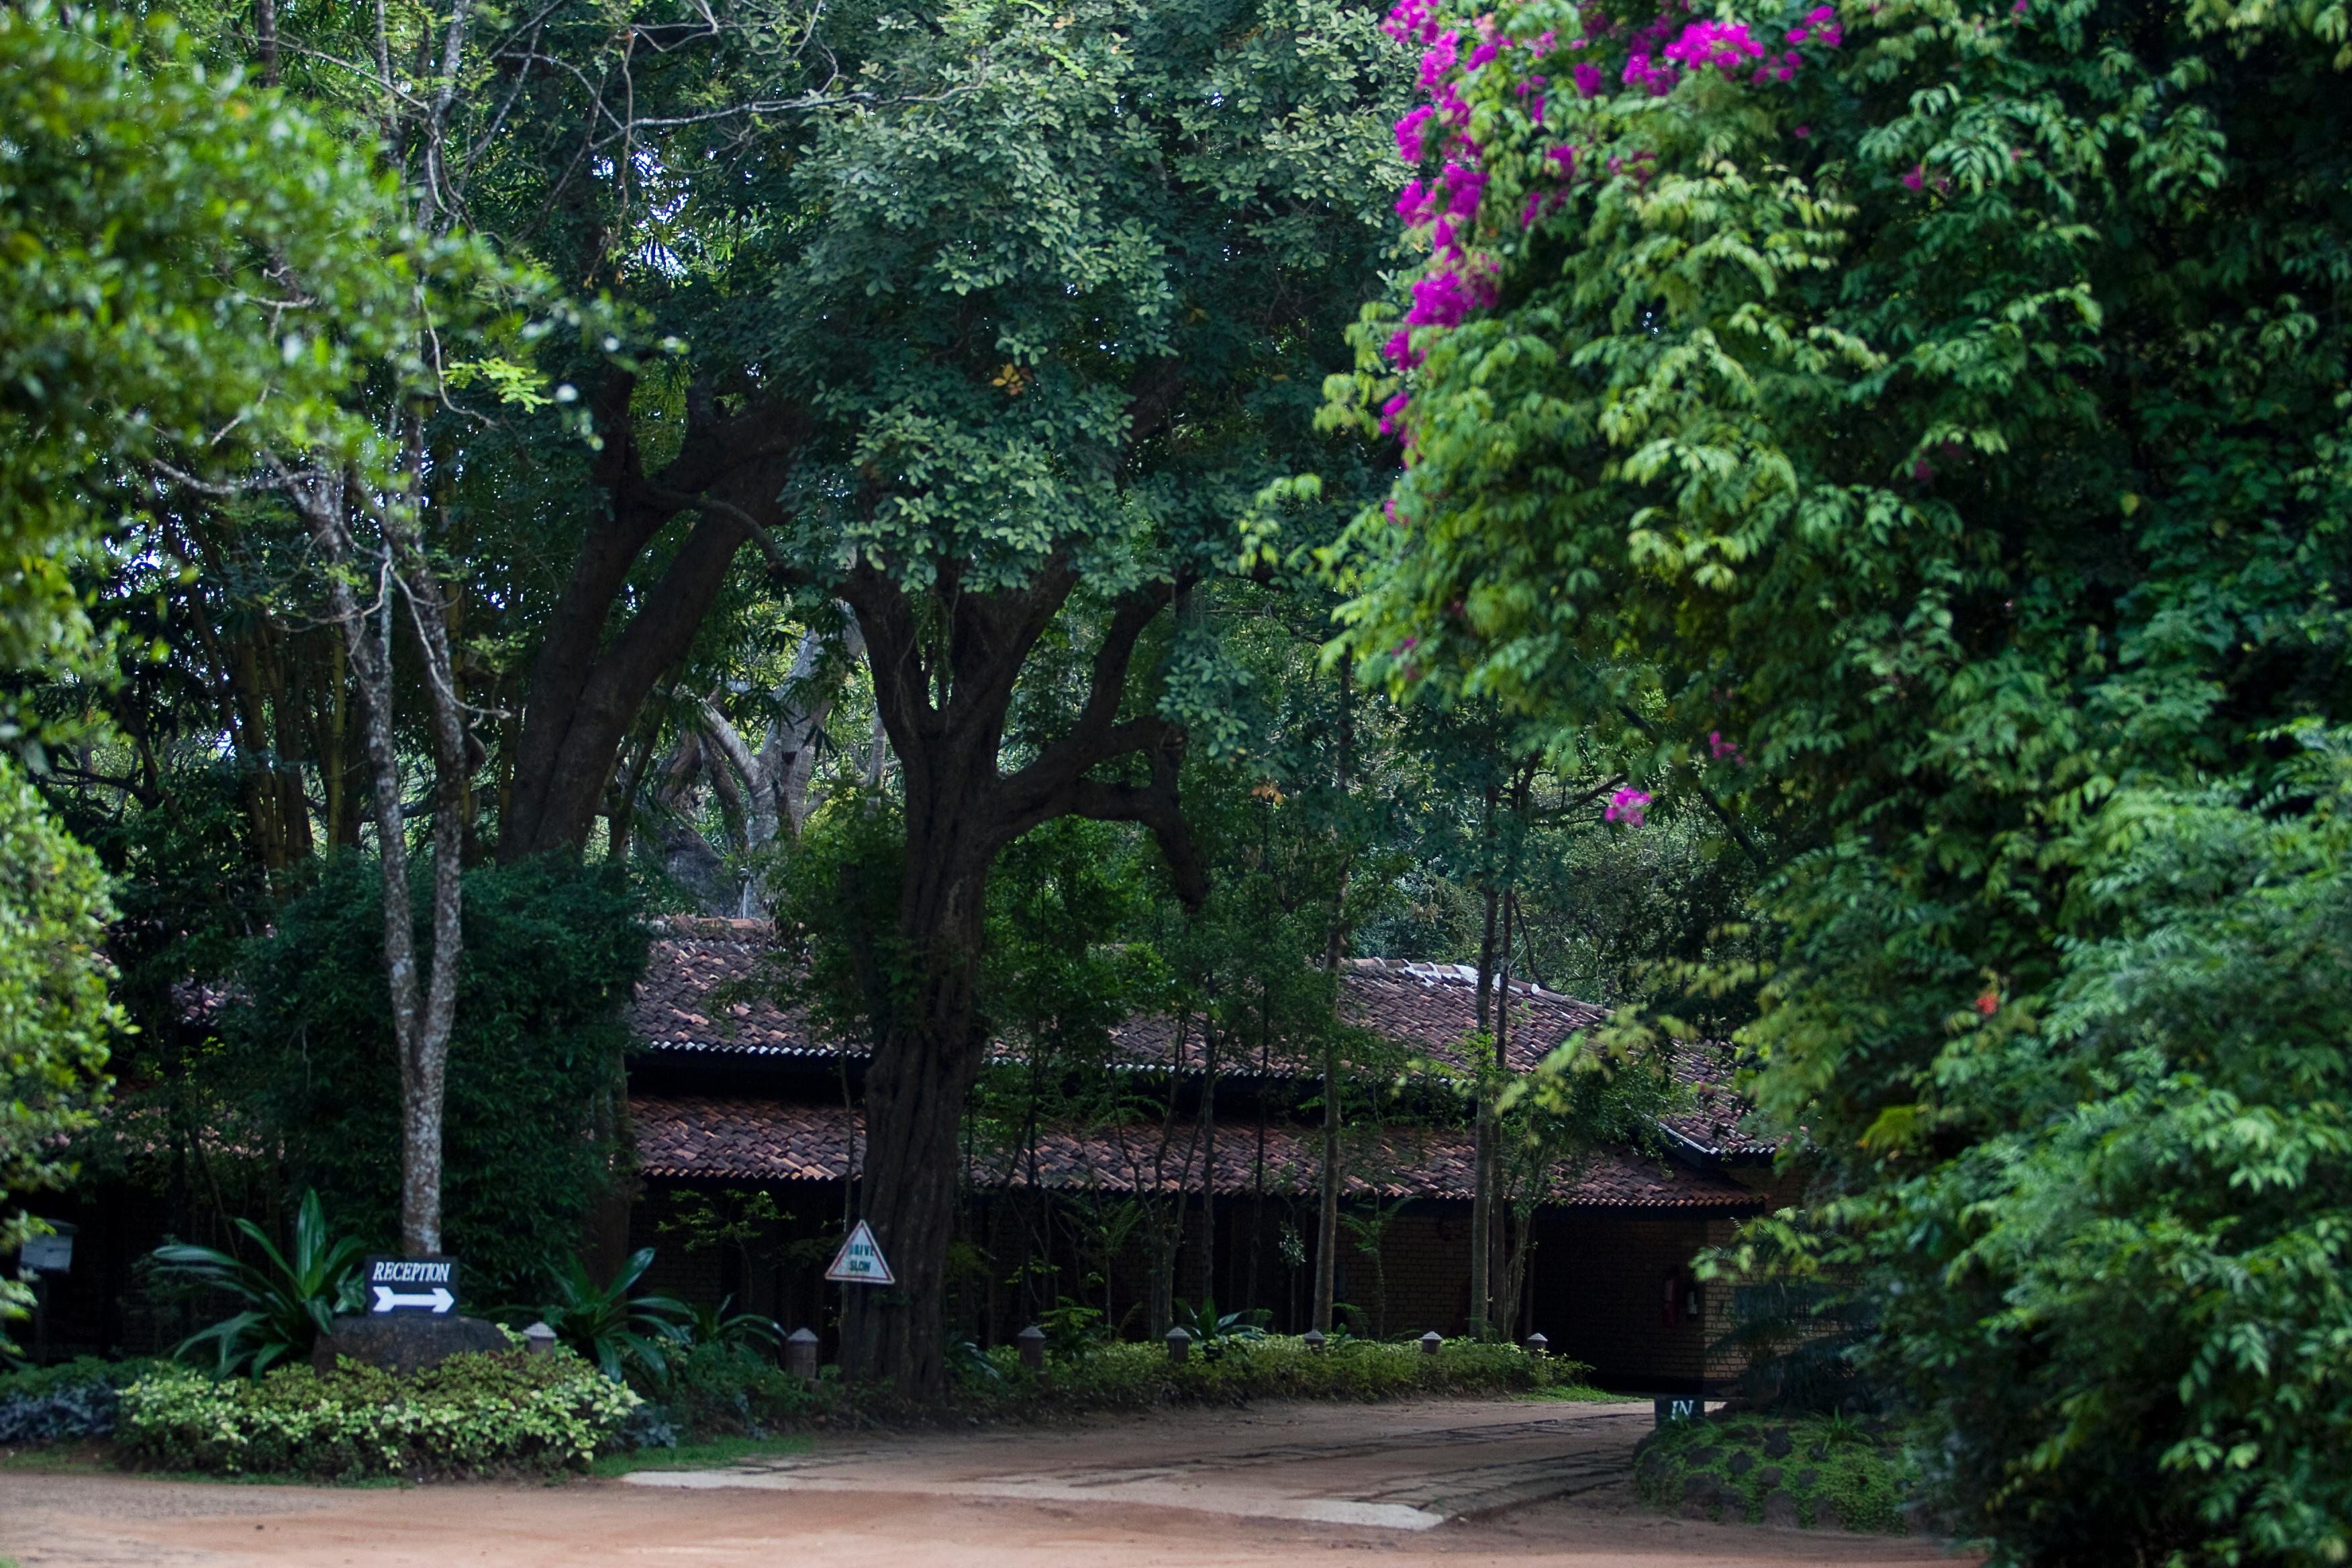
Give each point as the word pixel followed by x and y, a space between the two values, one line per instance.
pixel 55 1022
pixel 552 952
pixel 1828 1471
pixel 290 1299
pixel 1942 458
pixel 1128 1376
pixel 70 1400
pixel 722 1390
pixel 720 1326
pixel 1213 1331
pixel 493 1414
pixel 620 1332
pixel 146 208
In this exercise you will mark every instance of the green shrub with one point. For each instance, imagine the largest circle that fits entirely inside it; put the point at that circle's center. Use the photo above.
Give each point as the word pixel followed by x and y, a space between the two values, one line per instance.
pixel 504 1411
pixel 77 1399
pixel 725 1389
pixel 1125 1376
pixel 1832 1471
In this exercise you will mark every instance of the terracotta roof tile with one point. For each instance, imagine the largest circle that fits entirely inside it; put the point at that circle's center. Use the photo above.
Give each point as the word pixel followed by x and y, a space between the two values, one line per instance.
pixel 681 1008
pixel 733 1139
pixel 680 1005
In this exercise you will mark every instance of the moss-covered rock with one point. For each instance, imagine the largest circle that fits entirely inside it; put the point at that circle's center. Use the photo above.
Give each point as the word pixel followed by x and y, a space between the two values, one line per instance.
pixel 1814 1472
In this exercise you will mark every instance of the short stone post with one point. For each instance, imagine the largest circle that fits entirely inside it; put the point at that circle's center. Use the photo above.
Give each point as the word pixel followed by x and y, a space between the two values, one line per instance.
pixel 539 1339
pixel 1180 1347
pixel 1539 1345
pixel 1314 1342
pixel 1032 1340
pixel 1432 1342
pixel 799 1354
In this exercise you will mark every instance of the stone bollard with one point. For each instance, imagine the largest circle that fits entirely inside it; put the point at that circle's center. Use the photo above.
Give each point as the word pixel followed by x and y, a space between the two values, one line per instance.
pixel 539 1339
pixel 1314 1342
pixel 1432 1342
pixel 799 1354
pixel 1180 1347
pixel 1032 1340
pixel 1539 1345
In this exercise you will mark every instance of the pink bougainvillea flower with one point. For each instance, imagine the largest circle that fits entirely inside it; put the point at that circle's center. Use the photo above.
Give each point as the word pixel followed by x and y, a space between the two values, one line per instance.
pixel 1723 749
pixel 1628 806
pixel 1437 60
pixel 1412 132
pixel 1803 132
pixel 1820 26
pixel 1393 413
pixel 1916 178
pixel 1725 44
pixel 1588 80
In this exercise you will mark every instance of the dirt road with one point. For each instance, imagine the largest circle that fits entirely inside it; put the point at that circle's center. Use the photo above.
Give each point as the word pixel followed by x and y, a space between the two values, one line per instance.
pixel 1458 1483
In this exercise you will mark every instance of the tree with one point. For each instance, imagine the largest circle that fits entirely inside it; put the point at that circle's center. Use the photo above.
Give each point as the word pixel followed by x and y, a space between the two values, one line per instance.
pixel 55 1022
pixel 1059 320
pixel 152 227
pixel 1928 419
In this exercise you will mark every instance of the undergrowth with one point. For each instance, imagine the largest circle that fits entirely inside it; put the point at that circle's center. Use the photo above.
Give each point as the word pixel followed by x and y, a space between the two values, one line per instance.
pixel 1822 1472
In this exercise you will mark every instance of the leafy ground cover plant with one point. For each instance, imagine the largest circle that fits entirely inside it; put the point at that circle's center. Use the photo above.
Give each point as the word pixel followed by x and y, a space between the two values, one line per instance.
pixel 290 1299
pixel 1822 1472
pixel 502 1412
pixel 59 1404
pixel 1125 1376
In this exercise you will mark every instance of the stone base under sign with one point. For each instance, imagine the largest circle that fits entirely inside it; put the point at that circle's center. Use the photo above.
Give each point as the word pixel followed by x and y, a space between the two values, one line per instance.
pixel 405 1342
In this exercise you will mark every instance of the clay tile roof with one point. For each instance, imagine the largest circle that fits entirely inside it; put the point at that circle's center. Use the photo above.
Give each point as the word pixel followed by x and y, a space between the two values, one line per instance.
pixel 1721 1120
pixel 682 1007
pixel 681 1004
pixel 741 1139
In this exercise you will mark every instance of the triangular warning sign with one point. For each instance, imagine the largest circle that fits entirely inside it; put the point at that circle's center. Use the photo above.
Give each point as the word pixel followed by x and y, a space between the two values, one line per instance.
pixel 860 1260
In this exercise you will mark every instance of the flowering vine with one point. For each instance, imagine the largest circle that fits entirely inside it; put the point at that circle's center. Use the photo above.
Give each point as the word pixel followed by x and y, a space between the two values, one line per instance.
pixel 1444 204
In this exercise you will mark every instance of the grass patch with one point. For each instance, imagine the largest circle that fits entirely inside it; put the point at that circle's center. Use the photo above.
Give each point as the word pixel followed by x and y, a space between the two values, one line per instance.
pixel 1573 1393
pixel 1816 1471
pixel 84 1457
pixel 708 1455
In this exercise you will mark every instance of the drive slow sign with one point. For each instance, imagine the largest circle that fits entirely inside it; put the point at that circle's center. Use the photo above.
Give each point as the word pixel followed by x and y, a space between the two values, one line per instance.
pixel 860 1260
pixel 412 1285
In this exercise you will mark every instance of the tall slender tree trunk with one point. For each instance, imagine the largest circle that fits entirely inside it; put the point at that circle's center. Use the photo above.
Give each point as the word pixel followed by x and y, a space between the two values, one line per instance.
pixel 1482 1189
pixel 424 1007
pixel 1327 1219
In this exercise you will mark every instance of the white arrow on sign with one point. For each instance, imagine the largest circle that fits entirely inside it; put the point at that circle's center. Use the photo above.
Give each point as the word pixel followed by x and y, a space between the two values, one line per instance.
pixel 437 1299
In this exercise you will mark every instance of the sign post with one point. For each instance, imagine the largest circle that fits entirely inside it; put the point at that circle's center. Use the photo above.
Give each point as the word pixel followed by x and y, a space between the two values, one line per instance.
pixel 860 1260
pixel 427 1285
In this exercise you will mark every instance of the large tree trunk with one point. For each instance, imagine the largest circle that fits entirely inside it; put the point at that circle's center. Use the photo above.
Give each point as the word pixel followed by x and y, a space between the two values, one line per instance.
pixel 927 1055
pixel 589 681
pixel 943 699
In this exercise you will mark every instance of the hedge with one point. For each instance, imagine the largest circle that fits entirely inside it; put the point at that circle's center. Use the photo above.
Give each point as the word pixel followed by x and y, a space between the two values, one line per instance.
pixel 1125 1376
pixel 494 1413
pixel 54 1403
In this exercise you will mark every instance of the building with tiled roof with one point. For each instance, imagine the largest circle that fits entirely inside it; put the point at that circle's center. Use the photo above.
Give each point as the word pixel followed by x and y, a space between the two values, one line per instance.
pixel 732 1094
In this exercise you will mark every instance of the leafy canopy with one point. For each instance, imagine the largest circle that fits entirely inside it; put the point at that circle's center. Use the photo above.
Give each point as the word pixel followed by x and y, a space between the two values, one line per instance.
pixel 1929 418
